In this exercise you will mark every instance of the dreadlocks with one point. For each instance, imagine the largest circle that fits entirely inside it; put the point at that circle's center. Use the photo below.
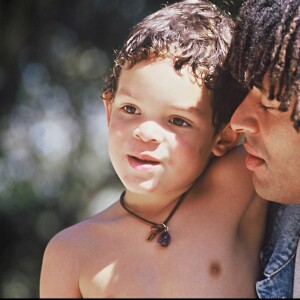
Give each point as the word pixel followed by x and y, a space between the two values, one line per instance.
pixel 267 41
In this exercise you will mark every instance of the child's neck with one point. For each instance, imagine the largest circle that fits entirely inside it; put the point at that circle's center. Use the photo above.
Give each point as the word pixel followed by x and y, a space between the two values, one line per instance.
pixel 164 238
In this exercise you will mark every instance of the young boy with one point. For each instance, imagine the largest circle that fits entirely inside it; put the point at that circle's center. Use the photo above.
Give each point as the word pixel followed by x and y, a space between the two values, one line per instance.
pixel 187 224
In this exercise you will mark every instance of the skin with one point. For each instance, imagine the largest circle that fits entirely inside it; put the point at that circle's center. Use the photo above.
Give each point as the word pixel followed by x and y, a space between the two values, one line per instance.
pixel 164 120
pixel 272 145
pixel 159 131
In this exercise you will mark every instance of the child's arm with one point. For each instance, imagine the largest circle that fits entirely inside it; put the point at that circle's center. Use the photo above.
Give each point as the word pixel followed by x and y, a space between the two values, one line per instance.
pixel 246 206
pixel 251 209
pixel 253 224
pixel 253 219
pixel 60 270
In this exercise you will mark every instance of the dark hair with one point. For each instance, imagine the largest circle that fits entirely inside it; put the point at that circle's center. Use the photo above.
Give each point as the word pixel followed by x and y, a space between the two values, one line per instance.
pixel 267 41
pixel 192 32
pixel 227 96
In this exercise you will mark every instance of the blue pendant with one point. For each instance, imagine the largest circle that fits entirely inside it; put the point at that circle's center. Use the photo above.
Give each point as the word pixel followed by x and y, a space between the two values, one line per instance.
pixel 164 239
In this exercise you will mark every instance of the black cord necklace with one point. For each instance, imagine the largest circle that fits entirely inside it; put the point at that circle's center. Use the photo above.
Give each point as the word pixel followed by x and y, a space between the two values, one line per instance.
pixel 164 239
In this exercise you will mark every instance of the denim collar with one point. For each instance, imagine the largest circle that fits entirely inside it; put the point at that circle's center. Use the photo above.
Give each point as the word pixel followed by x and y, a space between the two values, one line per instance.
pixel 282 244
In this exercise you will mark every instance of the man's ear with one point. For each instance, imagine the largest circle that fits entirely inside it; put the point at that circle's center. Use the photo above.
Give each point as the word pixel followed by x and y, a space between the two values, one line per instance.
pixel 107 101
pixel 225 140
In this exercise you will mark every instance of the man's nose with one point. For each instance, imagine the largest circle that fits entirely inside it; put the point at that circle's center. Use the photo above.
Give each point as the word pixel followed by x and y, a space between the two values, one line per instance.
pixel 149 131
pixel 244 119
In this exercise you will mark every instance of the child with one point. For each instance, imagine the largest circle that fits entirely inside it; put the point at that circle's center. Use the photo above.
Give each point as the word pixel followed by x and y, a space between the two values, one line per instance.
pixel 187 224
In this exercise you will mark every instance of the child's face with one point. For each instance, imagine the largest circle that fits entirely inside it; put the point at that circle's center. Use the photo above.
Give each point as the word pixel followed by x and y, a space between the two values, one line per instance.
pixel 160 129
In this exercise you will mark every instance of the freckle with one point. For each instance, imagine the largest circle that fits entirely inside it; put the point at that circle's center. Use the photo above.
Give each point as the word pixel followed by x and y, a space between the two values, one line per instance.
pixel 215 269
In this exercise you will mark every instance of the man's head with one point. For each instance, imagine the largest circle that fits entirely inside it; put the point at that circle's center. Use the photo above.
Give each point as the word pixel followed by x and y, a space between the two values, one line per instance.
pixel 266 46
pixel 192 33
pixel 264 58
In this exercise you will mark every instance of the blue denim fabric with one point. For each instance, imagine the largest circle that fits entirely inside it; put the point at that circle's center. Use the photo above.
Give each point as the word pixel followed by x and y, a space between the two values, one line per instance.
pixel 278 256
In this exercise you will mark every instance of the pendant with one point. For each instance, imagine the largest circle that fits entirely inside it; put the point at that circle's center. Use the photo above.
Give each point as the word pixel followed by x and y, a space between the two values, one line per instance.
pixel 151 235
pixel 164 239
pixel 155 229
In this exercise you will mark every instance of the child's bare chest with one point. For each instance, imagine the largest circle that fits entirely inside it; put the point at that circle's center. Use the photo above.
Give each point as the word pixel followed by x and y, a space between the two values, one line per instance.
pixel 193 265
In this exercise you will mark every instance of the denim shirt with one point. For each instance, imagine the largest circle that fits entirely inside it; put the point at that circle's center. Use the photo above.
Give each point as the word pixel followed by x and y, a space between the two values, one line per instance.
pixel 278 255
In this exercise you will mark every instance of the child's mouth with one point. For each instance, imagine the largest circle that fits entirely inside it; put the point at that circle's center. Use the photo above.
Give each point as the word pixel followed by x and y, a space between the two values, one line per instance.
pixel 142 164
pixel 143 161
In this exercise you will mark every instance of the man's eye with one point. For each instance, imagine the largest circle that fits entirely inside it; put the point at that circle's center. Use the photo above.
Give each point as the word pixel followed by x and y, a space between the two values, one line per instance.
pixel 266 108
pixel 180 122
pixel 130 109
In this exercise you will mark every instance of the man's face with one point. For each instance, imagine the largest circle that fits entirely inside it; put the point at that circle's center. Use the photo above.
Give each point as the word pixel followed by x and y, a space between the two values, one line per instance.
pixel 272 144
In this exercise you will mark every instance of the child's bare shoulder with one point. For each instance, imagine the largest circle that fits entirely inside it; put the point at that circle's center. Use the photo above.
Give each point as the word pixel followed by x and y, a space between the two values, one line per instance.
pixel 79 236
pixel 73 251
pixel 227 177
pixel 232 177
pixel 230 180
pixel 234 159
pixel 231 167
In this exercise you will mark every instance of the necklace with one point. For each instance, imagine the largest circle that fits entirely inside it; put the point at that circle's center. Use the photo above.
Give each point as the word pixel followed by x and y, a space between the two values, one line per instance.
pixel 164 239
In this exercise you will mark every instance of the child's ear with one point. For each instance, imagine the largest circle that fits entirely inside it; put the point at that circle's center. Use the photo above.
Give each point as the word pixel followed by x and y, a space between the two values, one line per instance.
pixel 226 140
pixel 106 96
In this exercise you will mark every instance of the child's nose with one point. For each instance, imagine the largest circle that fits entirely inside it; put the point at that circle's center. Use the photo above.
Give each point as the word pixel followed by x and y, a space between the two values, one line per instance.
pixel 149 132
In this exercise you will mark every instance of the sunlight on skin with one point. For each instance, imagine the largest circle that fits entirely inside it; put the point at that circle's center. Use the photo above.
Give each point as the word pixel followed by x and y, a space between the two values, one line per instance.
pixel 105 276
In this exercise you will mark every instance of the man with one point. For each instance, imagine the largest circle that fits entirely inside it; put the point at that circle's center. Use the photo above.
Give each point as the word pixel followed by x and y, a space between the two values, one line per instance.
pixel 264 58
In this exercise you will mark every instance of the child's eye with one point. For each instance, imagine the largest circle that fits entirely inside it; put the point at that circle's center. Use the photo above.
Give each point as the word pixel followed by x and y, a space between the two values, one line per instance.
pixel 130 109
pixel 179 122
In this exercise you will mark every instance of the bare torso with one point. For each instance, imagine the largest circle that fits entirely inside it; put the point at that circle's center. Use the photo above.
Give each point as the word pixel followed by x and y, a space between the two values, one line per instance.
pixel 214 251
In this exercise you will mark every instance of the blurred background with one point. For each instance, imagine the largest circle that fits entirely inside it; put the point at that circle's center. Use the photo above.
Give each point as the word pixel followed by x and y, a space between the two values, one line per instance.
pixel 54 166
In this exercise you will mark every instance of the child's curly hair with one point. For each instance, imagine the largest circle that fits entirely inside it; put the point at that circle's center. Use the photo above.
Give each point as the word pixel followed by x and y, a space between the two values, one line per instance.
pixel 191 32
